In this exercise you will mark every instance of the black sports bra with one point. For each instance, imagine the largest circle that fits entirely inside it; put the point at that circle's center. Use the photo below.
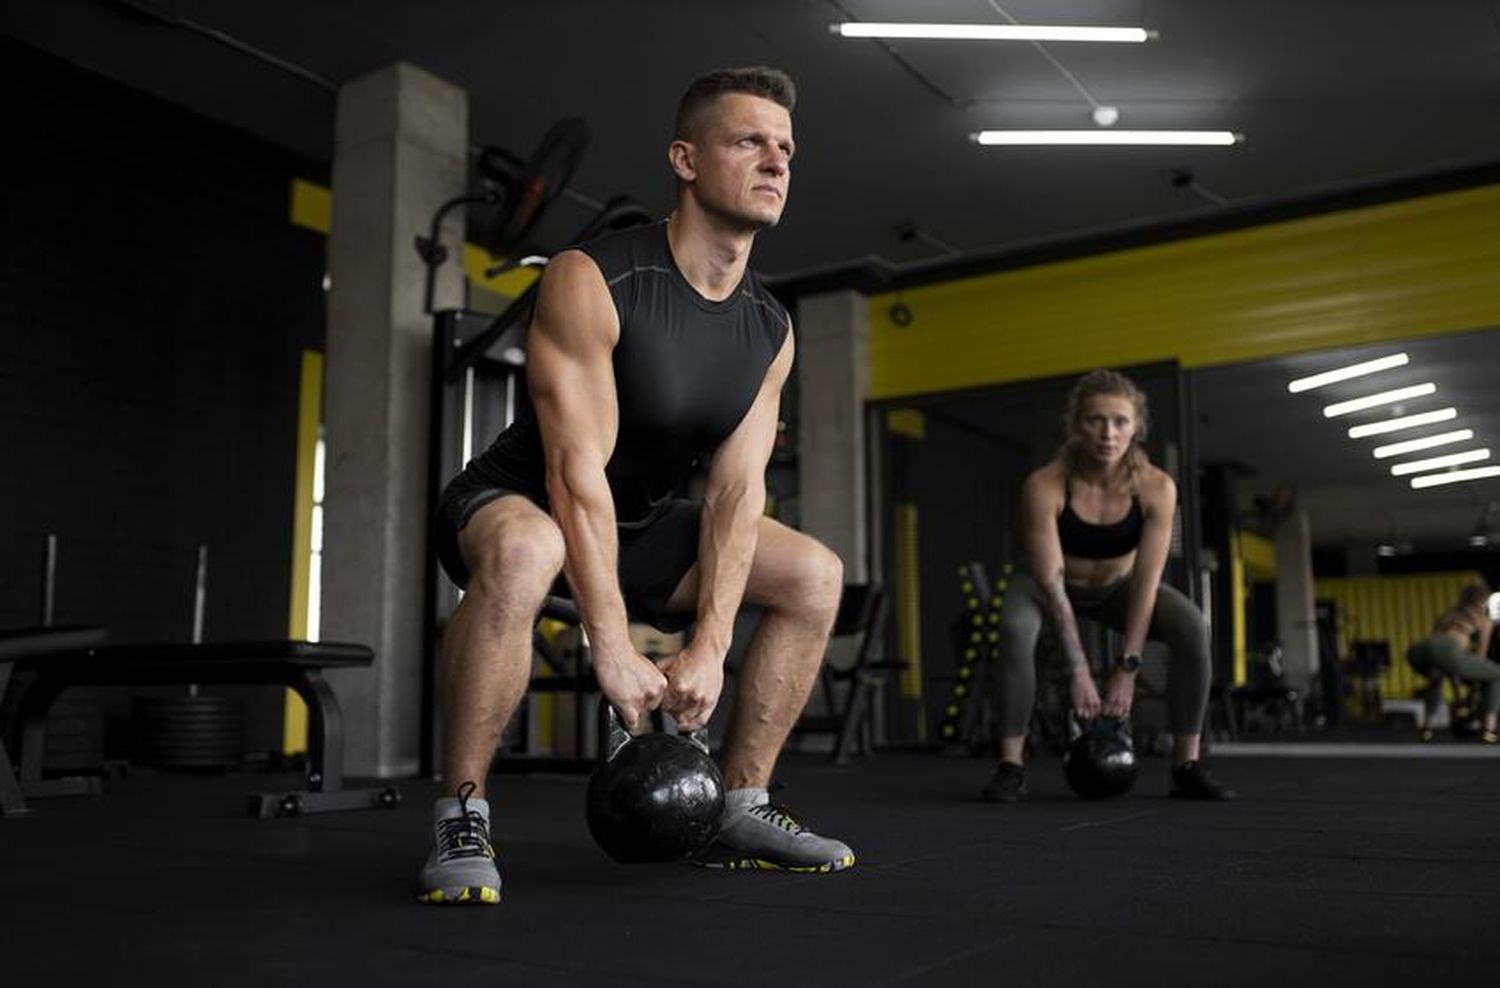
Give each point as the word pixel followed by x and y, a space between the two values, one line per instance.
pixel 1083 540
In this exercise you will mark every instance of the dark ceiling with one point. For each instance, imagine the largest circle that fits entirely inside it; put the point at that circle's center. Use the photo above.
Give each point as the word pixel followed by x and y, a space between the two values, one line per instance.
pixel 1332 96
pixel 1247 417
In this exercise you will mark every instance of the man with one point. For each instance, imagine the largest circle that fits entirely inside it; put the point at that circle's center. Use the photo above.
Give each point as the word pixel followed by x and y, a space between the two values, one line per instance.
pixel 649 350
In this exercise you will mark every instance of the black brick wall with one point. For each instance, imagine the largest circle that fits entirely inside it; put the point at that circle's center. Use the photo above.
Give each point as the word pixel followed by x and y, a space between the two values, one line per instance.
pixel 154 303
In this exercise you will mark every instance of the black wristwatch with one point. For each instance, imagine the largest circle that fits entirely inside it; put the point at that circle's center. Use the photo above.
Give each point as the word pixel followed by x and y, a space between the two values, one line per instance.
pixel 1130 663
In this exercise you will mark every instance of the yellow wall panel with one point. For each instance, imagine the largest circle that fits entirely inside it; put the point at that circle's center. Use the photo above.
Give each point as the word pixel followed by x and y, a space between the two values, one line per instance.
pixel 1258 554
pixel 312 208
pixel 309 418
pixel 1417 267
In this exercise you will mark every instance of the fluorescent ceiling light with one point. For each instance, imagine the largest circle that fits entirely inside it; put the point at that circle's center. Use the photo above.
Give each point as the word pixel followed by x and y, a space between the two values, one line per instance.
pixel 1438 462
pixel 991 32
pixel 1345 373
pixel 1376 400
pixel 1081 138
pixel 1404 422
pixel 1412 445
pixel 1454 477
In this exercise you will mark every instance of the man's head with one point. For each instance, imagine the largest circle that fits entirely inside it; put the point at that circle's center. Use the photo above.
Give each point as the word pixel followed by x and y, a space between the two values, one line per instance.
pixel 697 104
pixel 733 144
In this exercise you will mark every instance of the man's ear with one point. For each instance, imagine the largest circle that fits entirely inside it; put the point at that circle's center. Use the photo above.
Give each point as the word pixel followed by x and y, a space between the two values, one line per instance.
pixel 682 155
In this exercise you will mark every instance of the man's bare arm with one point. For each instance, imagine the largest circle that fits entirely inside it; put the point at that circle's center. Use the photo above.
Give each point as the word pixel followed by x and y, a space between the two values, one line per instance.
pixel 570 377
pixel 733 502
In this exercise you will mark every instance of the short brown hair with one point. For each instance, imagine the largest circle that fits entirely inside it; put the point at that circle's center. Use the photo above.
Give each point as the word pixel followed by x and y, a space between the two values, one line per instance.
pixel 757 80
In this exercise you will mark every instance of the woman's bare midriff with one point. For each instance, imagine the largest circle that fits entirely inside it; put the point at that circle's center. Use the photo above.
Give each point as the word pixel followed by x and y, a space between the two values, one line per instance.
pixel 1081 572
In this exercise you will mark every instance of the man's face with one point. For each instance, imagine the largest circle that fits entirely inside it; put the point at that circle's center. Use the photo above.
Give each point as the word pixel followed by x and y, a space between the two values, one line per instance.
pixel 740 164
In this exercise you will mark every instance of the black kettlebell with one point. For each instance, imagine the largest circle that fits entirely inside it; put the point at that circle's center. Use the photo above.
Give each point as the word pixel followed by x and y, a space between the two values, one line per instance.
pixel 654 797
pixel 1100 760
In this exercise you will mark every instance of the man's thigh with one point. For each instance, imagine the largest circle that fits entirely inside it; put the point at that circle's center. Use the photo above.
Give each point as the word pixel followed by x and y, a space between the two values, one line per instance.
pixel 784 558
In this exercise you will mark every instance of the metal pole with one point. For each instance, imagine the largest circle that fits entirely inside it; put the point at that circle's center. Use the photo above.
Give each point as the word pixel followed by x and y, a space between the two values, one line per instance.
pixel 49 580
pixel 200 595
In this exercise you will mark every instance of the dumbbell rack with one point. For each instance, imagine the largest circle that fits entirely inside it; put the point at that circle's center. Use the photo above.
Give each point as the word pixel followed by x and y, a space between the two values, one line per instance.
pixel 976 640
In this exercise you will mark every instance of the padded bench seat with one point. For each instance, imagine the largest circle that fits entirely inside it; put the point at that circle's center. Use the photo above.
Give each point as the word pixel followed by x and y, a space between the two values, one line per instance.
pixel 295 664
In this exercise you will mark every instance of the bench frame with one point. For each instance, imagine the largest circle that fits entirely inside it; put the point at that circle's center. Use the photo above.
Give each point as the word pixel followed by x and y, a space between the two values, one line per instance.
pixel 297 665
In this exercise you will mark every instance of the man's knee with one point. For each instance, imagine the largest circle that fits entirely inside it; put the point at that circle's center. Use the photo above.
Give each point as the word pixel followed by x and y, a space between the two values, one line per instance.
pixel 817 582
pixel 517 558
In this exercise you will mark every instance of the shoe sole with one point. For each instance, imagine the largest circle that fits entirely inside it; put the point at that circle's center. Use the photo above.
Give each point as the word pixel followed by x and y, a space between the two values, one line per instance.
pixel 472 895
pixel 761 864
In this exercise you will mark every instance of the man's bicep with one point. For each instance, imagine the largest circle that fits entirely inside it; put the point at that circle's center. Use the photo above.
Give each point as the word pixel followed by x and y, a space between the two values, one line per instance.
pixel 569 356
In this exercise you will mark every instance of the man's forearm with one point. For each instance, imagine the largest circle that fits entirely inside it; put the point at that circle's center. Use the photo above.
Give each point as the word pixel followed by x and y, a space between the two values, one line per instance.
pixel 726 546
pixel 585 512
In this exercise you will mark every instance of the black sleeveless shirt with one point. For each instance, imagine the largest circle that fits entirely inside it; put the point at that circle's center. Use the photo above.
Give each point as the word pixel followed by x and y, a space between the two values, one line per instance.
pixel 1085 540
pixel 687 369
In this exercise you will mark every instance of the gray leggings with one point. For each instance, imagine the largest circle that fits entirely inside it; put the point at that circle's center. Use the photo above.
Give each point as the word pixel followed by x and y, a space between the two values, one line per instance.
pixel 1175 621
pixel 1431 657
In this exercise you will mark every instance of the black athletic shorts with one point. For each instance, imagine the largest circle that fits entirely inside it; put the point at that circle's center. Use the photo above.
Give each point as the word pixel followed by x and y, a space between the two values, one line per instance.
pixel 655 552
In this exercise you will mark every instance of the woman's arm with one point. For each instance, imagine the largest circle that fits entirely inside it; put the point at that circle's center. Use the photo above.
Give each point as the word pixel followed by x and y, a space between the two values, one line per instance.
pixel 1041 499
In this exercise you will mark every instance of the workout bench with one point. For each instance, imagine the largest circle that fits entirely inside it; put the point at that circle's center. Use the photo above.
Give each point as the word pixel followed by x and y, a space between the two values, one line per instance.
pixel 64 662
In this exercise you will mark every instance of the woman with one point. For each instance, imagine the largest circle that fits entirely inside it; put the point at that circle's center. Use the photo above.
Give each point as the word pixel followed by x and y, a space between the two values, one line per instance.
pixel 1446 652
pixel 1097 527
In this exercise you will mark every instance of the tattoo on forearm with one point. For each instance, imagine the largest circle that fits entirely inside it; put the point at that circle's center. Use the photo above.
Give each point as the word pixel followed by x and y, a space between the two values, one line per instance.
pixel 1062 616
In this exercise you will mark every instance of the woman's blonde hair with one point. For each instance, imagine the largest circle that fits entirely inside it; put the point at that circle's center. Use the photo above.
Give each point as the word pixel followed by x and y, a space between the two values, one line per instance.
pixel 1114 384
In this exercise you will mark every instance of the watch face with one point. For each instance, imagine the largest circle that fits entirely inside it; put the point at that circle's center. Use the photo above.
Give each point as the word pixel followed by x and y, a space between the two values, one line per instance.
pixel 1130 663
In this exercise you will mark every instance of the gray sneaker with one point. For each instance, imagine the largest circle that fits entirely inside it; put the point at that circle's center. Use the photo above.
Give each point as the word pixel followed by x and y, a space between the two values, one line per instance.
pixel 767 838
pixel 461 868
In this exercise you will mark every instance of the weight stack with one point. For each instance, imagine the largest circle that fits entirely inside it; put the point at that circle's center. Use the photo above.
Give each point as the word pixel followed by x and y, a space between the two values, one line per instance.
pixel 189 732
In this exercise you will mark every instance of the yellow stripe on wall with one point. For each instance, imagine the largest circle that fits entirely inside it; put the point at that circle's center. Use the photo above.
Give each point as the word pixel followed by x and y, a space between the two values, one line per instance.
pixel 312 206
pixel 312 209
pixel 1418 267
pixel 1239 595
pixel 510 283
pixel 309 418
pixel 909 607
pixel 1258 554
pixel 1399 610
pixel 908 422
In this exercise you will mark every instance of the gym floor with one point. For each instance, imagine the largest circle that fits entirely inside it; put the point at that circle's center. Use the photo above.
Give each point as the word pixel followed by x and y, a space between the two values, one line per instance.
pixel 1328 871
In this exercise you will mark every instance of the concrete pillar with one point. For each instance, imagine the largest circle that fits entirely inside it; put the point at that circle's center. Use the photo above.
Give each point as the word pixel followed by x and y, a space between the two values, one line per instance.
pixel 400 151
pixel 1296 621
pixel 833 378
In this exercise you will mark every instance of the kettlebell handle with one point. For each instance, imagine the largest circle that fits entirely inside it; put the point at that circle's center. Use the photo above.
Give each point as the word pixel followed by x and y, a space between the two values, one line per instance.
pixel 616 736
pixel 1078 725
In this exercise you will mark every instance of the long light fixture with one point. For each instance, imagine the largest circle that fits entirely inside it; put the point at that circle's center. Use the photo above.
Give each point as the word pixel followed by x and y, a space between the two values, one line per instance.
pixel 1376 400
pixel 991 32
pixel 1345 373
pixel 1404 422
pixel 1106 138
pixel 1428 442
pixel 1454 477
pixel 1438 462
